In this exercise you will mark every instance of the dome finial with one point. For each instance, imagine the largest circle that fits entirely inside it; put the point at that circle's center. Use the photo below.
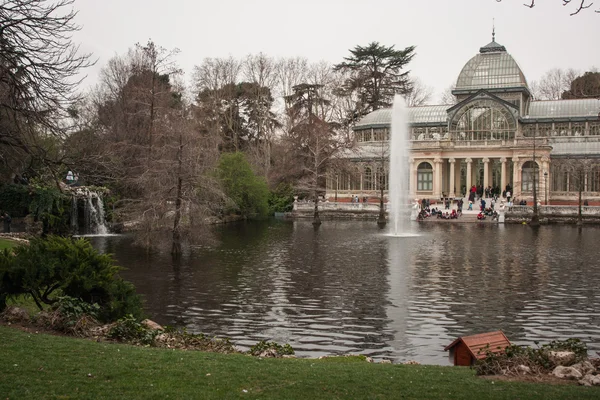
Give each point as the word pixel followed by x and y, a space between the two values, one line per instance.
pixel 493 29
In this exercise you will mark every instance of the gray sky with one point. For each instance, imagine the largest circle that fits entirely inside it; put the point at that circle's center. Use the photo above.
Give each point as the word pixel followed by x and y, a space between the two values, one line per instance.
pixel 447 33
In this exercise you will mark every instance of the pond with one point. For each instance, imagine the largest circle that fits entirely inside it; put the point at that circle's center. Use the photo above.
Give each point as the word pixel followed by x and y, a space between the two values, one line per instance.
pixel 347 288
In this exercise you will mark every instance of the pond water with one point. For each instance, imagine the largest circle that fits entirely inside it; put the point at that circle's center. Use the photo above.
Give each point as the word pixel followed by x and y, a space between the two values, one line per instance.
pixel 348 288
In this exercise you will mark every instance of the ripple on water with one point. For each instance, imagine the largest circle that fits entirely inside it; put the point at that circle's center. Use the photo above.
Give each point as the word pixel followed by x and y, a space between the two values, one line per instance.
pixel 347 288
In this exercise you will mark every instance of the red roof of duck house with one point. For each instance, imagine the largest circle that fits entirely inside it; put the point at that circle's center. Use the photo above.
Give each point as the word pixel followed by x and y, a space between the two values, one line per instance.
pixel 477 344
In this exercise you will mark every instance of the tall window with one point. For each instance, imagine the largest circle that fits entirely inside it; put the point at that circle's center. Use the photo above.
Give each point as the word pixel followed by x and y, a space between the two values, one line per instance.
pixel 529 169
pixel 593 183
pixel 382 179
pixel 368 179
pixel 424 177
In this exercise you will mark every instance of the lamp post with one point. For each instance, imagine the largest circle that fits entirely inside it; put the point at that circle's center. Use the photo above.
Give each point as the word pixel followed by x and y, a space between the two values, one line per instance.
pixel 545 188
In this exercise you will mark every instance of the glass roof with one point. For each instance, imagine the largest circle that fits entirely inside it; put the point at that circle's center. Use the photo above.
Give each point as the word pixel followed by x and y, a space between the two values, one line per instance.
pixel 423 114
pixel 579 148
pixel 564 108
pixel 491 70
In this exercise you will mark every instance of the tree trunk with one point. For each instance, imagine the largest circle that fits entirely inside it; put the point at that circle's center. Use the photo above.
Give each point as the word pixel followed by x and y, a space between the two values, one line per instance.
pixel 316 219
pixel 381 222
pixel 176 247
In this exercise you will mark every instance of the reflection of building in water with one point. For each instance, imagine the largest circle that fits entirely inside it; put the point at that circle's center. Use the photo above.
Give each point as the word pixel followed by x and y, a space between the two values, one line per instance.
pixel 496 134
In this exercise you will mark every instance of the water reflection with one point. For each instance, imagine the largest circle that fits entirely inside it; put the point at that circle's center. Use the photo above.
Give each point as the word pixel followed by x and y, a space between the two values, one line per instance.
pixel 346 288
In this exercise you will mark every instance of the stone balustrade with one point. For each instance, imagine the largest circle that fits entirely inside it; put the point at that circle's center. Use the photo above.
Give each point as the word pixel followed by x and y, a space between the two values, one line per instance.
pixel 309 206
pixel 553 214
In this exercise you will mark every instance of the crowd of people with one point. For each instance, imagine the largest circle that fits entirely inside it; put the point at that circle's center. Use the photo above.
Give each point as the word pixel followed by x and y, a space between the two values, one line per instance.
pixel 490 199
pixel 437 213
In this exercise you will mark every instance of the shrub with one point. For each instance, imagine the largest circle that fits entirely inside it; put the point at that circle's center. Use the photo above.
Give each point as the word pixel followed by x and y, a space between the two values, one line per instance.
pixel 248 192
pixel 129 329
pixel 270 349
pixel 14 199
pixel 48 267
pixel 70 315
pixel 281 199
pixel 44 203
pixel 537 359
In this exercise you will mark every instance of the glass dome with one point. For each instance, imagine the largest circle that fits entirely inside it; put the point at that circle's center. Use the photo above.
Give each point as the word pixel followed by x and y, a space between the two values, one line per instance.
pixel 492 68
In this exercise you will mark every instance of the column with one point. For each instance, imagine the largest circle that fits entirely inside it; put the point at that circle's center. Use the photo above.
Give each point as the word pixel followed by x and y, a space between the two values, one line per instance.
pixel 486 172
pixel 452 180
pixel 503 175
pixel 457 186
pixel 516 186
pixel 469 177
pixel 544 176
pixel 437 180
pixel 412 179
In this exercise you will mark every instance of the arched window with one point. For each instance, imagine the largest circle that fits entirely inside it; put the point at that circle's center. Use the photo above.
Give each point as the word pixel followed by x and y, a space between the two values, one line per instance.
pixel 483 120
pixel 529 169
pixel 424 177
pixel 368 179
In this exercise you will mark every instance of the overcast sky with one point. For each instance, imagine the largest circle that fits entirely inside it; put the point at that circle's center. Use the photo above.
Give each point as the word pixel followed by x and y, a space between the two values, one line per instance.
pixel 447 33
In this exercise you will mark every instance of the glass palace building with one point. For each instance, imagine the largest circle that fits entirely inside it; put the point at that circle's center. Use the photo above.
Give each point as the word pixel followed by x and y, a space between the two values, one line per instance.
pixel 495 135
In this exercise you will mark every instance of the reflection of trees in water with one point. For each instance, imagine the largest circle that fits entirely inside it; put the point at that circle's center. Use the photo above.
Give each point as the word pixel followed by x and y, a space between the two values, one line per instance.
pixel 339 277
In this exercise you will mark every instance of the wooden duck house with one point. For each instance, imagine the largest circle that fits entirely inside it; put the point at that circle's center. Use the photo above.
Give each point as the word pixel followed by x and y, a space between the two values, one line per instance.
pixel 468 349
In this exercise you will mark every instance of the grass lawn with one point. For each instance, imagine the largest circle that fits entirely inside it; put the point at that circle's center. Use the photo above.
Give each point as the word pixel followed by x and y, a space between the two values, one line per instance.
pixel 39 366
pixel 7 243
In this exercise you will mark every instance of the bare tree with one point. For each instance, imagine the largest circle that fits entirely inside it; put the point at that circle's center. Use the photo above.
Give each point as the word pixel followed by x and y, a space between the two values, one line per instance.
pixel 315 141
pixel 420 93
pixel 447 97
pixel 578 169
pixel 576 7
pixel 39 73
pixel 261 70
pixel 553 84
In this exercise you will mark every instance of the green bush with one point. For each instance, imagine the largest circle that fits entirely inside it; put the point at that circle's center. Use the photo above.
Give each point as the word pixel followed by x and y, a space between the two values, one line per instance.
pixel 45 203
pixel 271 348
pixel 281 199
pixel 14 199
pixel 70 315
pixel 129 329
pixel 72 309
pixel 248 192
pixel 55 266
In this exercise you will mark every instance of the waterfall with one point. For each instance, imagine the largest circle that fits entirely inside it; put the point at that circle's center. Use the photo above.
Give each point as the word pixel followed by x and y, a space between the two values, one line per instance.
pixel 74 216
pixel 399 169
pixel 94 214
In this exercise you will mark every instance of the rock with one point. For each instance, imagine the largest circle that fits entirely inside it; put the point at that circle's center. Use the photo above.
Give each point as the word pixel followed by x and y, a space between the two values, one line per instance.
pixel 101 331
pixel 162 338
pixel 590 380
pixel 524 369
pixel 411 362
pixel 562 357
pixel 566 372
pixel 15 314
pixel 386 361
pixel 289 356
pixel 269 353
pixel 152 325
pixel 369 359
pixel 585 367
